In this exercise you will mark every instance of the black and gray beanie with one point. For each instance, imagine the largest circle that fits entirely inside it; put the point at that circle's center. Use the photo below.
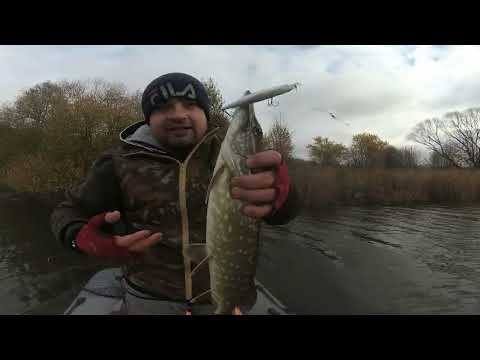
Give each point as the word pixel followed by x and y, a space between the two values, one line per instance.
pixel 174 85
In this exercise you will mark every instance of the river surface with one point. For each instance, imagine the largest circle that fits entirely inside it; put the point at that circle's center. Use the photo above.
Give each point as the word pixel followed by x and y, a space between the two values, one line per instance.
pixel 345 260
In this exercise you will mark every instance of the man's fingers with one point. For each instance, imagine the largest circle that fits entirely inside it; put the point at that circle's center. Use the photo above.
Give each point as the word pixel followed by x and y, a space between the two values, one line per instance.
pixel 268 158
pixel 112 217
pixel 254 196
pixel 262 180
pixel 128 240
pixel 145 243
pixel 257 212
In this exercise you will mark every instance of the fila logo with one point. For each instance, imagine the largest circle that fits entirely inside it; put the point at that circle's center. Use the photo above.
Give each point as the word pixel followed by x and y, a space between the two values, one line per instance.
pixel 168 90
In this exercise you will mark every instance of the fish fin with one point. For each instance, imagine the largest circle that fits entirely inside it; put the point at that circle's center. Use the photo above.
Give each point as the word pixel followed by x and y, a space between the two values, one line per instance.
pixel 196 252
pixel 199 296
pixel 217 172
pixel 200 264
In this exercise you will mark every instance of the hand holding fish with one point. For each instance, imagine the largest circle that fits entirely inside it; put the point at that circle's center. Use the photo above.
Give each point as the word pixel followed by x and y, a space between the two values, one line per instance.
pixel 259 190
pixel 256 188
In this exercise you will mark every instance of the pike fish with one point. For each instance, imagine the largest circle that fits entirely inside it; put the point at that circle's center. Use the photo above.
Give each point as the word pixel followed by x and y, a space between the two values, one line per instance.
pixel 232 238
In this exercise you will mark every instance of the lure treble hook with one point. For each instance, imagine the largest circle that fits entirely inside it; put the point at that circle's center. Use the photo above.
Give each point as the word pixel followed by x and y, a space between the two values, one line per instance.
pixel 271 103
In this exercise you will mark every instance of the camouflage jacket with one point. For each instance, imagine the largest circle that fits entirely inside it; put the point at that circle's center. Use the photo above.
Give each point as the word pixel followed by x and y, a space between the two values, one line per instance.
pixel 148 186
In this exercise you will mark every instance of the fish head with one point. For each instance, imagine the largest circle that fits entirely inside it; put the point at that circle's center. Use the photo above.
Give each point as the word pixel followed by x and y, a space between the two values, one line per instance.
pixel 244 136
pixel 245 132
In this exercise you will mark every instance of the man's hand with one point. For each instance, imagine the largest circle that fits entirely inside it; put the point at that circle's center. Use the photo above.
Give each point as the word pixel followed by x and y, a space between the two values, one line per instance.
pixel 259 190
pixel 93 241
pixel 138 241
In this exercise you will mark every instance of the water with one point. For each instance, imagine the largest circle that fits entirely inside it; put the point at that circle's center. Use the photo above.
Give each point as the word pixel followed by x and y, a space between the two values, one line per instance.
pixel 378 260
pixel 36 274
pixel 348 260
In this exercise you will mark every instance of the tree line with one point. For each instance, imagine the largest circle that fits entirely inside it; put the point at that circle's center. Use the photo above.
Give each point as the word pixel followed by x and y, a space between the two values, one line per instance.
pixel 366 151
pixel 52 132
pixel 452 141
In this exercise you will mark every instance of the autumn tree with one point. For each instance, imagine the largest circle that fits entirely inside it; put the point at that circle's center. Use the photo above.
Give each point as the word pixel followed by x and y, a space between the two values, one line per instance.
pixel 366 150
pixel 60 128
pixel 325 152
pixel 51 134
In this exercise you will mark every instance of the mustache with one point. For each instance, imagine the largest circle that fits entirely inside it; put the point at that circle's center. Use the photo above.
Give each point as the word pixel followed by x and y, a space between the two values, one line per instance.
pixel 178 125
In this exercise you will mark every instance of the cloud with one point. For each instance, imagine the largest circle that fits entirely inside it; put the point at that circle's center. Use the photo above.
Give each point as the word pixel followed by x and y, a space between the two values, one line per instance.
pixel 381 89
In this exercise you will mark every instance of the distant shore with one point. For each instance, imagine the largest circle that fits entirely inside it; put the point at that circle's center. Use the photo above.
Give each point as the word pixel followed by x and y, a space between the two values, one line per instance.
pixel 47 199
pixel 321 187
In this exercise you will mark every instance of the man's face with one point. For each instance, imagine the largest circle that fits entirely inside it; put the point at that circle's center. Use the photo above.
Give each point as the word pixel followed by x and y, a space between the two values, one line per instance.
pixel 178 123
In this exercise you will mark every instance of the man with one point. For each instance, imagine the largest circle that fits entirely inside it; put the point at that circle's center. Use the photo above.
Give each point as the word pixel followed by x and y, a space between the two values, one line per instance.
pixel 138 197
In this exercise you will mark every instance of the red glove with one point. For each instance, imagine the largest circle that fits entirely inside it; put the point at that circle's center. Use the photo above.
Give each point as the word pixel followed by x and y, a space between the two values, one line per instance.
pixel 282 185
pixel 93 241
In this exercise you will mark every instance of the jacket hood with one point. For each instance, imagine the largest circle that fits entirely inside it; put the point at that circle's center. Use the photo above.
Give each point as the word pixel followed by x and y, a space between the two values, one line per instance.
pixel 139 134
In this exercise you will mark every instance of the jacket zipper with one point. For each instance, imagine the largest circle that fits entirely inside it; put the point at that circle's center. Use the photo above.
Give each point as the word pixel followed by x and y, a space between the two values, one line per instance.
pixel 182 182
pixel 182 198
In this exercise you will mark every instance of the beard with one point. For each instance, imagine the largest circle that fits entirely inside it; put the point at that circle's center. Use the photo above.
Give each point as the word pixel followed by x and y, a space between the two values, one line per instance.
pixel 176 137
pixel 180 139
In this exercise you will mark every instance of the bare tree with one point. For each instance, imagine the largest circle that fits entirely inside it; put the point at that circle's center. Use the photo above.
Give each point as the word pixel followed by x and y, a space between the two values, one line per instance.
pixel 455 137
pixel 217 116
pixel 279 138
pixel 409 157
pixel 435 160
pixel 464 133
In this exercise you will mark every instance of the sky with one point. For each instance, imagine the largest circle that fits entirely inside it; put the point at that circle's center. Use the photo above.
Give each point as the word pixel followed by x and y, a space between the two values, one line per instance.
pixel 385 90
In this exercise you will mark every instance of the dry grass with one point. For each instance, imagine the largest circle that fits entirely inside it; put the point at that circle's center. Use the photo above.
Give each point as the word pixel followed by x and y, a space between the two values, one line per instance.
pixel 317 186
pixel 323 186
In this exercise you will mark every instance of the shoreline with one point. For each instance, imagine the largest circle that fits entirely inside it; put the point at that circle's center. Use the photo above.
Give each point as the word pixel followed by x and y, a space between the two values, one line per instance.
pixel 48 199
pixel 51 199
